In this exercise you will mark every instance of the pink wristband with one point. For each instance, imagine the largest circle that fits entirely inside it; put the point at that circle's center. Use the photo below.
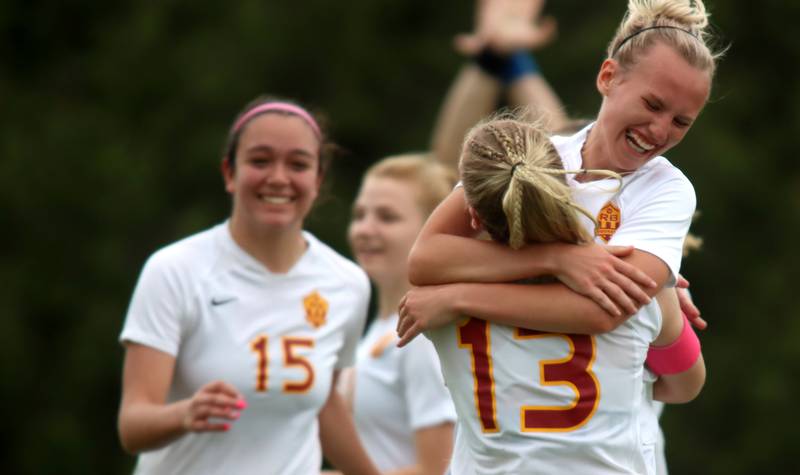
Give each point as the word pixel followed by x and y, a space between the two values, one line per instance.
pixel 678 356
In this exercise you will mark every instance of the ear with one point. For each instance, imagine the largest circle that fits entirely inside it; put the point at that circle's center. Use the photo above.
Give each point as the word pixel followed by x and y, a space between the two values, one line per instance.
pixel 608 73
pixel 227 175
pixel 474 219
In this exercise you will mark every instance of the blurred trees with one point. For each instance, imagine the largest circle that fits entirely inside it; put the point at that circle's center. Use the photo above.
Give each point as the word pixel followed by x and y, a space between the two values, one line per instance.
pixel 115 115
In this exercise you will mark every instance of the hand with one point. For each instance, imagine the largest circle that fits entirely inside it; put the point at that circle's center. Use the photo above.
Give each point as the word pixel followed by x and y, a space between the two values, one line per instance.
pixel 506 26
pixel 597 272
pixel 687 305
pixel 424 308
pixel 217 399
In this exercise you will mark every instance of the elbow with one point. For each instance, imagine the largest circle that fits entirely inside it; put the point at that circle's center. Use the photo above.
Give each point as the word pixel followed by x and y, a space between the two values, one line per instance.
pixel 600 322
pixel 417 266
pixel 127 443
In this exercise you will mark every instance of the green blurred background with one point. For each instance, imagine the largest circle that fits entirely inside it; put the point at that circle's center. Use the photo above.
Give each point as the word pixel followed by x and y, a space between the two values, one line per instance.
pixel 114 119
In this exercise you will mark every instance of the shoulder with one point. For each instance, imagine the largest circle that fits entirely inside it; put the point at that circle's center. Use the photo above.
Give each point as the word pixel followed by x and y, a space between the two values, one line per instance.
pixel 660 174
pixel 343 268
pixel 569 147
pixel 189 254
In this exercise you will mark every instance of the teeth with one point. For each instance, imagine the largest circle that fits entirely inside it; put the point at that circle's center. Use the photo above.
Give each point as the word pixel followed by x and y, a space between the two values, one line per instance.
pixel 276 200
pixel 637 143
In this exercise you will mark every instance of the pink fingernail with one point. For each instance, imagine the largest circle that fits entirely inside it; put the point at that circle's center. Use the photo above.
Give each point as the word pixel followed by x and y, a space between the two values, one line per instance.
pixel 226 427
pixel 241 404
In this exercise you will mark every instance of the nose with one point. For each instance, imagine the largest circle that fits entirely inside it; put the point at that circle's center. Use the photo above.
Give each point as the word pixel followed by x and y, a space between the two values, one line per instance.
pixel 278 174
pixel 659 129
pixel 363 226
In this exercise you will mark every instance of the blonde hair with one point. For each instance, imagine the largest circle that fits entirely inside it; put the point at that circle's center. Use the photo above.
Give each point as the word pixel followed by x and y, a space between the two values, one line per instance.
pixel 692 242
pixel 514 179
pixel 432 180
pixel 681 24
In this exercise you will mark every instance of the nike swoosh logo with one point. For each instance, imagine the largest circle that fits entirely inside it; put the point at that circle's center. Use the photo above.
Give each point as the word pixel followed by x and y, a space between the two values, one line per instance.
pixel 215 301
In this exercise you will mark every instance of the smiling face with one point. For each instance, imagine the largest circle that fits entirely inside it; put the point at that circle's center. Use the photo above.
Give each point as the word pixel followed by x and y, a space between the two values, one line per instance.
pixel 386 220
pixel 646 109
pixel 276 177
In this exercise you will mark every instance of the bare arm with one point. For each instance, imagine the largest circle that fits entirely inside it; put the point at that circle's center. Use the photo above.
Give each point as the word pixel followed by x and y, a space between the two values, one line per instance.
pixel 680 387
pixel 534 92
pixel 446 252
pixel 472 96
pixel 337 434
pixel 147 422
pixel 434 446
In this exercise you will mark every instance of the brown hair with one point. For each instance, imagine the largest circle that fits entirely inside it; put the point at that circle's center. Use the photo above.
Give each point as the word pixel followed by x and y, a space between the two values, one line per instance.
pixel 326 147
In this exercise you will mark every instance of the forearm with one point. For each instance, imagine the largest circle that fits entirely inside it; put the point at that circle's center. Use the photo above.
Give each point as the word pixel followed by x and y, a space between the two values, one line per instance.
pixel 544 307
pixel 340 442
pixel 146 426
pixel 472 97
pixel 447 258
pixel 681 387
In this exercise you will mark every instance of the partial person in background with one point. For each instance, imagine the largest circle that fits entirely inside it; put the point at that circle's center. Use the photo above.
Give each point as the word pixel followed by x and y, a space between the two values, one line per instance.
pixel 235 336
pixel 402 410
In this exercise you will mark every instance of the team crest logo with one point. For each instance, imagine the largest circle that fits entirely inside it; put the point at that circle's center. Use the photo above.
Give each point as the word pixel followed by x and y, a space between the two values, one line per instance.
pixel 316 309
pixel 608 220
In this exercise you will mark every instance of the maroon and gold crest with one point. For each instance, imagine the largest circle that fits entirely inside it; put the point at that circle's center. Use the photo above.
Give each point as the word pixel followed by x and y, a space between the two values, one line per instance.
pixel 316 309
pixel 608 220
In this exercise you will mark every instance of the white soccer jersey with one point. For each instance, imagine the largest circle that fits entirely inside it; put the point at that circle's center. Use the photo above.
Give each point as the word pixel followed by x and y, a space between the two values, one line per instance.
pixel 276 337
pixel 397 391
pixel 536 403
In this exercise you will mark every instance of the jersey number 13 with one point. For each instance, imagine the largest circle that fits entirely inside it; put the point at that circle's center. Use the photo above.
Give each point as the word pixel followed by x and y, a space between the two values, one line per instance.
pixel 573 371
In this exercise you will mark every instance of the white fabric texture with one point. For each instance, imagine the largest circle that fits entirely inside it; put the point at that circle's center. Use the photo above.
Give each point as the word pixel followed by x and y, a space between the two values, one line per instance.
pixel 208 303
pixel 396 392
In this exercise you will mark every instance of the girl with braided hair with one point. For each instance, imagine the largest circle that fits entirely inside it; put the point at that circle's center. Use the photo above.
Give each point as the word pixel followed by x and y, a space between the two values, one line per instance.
pixel 516 190
pixel 654 84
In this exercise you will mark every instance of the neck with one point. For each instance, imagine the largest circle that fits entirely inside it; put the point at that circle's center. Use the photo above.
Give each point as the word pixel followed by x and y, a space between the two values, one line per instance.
pixel 389 296
pixel 277 250
pixel 593 155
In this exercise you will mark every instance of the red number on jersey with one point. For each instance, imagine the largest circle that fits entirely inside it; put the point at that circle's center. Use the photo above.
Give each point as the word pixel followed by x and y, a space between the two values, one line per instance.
pixel 574 371
pixel 260 346
pixel 474 335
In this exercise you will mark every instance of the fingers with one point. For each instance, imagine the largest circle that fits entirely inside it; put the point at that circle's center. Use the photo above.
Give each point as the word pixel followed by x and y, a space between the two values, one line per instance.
pixel 601 299
pixel 620 299
pixel 682 283
pixel 690 309
pixel 698 322
pixel 619 251
pixel 221 387
pixel 631 289
pixel 410 333
pixel 214 401
pixel 634 273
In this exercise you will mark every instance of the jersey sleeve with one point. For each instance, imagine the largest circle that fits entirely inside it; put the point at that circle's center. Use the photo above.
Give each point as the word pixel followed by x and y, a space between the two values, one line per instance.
pixel 354 327
pixel 659 223
pixel 158 309
pixel 427 399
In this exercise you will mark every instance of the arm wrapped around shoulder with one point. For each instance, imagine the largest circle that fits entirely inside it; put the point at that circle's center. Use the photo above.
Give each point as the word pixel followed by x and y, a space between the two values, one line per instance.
pixel 678 356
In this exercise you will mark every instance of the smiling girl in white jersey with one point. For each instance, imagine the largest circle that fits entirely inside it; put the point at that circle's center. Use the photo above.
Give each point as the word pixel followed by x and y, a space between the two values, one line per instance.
pixel 654 84
pixel 235 336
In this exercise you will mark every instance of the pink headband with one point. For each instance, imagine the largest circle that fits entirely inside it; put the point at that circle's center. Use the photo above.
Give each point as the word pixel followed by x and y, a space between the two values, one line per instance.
pixel 278 106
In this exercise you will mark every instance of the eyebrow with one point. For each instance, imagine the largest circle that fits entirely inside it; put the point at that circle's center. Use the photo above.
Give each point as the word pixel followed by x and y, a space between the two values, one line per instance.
pixel 267 148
